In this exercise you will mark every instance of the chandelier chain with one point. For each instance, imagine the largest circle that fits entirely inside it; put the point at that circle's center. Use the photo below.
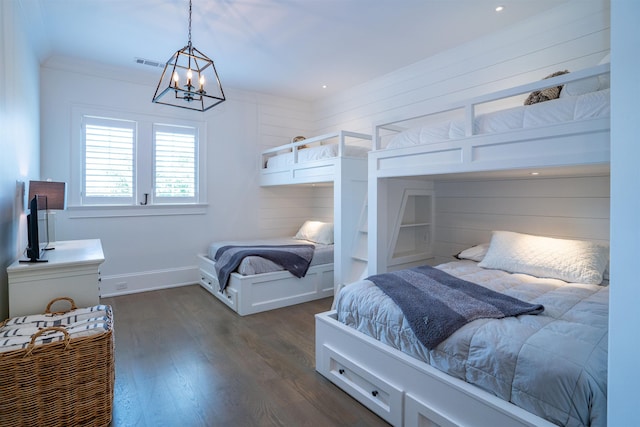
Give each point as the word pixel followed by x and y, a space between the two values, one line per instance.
pixel 189 22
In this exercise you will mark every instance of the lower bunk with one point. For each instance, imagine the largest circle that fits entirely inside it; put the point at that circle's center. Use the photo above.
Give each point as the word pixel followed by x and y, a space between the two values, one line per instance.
pixel 402 390
pixel 545 367
pixel 266 291
pixel 259 275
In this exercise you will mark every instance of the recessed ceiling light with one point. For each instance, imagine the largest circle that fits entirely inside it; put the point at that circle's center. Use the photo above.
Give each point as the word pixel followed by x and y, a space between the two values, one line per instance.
pixel 499 8
pixel 534 173
pixel 324 86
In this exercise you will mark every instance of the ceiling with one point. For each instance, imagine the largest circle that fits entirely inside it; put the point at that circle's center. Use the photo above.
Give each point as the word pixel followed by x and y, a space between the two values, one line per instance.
pixel 284 47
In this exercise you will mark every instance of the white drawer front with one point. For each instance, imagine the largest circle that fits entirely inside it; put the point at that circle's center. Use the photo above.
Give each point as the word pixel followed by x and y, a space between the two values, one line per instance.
pixel 373 392
pixel 229 296
pixel 418 414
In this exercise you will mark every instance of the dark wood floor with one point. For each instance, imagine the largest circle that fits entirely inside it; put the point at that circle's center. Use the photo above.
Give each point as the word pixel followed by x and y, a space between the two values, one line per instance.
pixel 185 359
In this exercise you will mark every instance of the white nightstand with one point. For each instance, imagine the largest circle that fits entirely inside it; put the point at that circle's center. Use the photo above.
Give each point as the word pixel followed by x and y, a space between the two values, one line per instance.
pixel 72 271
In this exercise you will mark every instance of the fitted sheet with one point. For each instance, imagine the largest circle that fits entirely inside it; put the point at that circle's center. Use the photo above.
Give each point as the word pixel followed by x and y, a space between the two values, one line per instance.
pixel 552 364
pixel 323 254
pixel 573 108
pixel 320 152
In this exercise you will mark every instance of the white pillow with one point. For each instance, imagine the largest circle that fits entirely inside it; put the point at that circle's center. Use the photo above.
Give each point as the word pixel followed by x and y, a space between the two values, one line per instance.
pixel 569 260
pixel 316 231
pixel 580 87
pixel 474 253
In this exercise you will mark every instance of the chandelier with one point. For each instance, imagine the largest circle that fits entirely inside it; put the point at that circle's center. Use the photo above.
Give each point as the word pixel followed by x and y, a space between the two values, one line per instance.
pixel 189 80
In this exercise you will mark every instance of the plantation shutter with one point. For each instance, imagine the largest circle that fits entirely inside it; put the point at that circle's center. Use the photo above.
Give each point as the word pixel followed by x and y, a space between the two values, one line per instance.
pixel 109 167
pixel 175 164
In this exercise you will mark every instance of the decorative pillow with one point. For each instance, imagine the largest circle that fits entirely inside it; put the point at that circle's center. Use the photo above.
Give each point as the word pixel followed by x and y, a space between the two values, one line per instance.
pixel 474 253
pixel 545 94
pixel 546 257
pixel 316 231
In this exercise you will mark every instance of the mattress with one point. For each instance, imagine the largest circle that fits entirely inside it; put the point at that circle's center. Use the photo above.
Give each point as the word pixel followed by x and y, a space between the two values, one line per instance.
pixel 323 254
pixel 315 153
pixel 553 364
pixel 561 110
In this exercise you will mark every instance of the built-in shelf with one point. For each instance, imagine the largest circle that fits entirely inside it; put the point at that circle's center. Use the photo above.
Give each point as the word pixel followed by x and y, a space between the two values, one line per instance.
pixel 412 237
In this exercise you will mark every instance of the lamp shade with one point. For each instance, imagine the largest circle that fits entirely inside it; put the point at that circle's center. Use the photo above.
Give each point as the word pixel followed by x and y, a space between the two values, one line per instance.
pixel 54 191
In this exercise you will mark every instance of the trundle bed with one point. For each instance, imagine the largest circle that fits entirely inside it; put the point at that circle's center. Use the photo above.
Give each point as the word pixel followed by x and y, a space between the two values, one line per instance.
pixel 394 381
pixel 259 284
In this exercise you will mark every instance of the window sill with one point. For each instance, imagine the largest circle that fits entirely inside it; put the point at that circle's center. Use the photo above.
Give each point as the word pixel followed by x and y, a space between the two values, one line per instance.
pixel 110 211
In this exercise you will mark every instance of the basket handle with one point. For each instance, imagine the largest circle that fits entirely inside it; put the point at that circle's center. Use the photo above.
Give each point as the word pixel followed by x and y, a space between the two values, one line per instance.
pixel 53 301
pixel 35 336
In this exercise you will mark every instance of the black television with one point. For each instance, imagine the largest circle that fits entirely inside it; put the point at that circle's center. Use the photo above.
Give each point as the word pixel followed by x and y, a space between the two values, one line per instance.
pixel 37 229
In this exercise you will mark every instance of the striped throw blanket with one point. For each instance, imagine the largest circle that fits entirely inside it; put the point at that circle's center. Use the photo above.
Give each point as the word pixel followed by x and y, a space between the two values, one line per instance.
pixel 293 258
pixel 436 304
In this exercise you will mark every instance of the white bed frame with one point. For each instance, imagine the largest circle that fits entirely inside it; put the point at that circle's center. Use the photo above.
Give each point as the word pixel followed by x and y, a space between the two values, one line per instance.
pixel 253 294
pixel 267 291
pixel 563 148
pixel 349 178
pixel 401 389
pixel 312 172
pixel 559 145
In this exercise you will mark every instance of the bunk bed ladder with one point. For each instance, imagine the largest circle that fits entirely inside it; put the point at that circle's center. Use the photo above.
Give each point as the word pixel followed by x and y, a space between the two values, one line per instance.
pixel 358 268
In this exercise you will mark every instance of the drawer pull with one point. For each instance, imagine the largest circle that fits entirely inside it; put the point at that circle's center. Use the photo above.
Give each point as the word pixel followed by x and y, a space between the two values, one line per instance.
pixel 374 393
pixel 341 371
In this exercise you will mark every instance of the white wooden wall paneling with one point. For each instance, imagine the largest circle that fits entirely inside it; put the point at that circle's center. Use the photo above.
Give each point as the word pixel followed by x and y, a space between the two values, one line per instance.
pixel 565 39
pixel 568 207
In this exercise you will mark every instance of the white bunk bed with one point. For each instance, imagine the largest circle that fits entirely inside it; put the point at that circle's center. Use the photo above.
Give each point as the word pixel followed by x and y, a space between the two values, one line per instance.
pixel 323 158
pixel 338 158
pixel 400 388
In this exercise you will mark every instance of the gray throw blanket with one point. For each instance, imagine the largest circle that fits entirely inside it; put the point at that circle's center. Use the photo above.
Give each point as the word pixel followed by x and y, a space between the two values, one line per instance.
pixel 293 258
pixel 436 304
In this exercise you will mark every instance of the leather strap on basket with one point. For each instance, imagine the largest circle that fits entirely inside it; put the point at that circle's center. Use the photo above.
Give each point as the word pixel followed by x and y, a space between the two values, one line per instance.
pixel 53 301
pixel 32 344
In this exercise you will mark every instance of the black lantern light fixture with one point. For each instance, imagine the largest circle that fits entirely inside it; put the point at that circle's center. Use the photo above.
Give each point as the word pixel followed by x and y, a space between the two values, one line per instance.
pixel 189 80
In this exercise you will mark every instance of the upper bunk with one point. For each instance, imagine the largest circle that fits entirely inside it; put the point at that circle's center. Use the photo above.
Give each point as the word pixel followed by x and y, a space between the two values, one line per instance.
pixel 321 159
pixel 496 132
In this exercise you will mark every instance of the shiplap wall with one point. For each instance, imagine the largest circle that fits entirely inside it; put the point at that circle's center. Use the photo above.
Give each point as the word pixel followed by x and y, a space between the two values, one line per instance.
pixel 566 207
pixel 572 36
pixel 282 210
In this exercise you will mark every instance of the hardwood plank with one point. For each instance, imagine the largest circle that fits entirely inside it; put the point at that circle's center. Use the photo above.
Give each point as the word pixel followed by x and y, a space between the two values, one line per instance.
pixel 183 358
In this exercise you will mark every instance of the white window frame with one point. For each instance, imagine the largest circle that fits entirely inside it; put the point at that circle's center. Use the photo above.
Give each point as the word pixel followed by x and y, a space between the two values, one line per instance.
pixel 143 169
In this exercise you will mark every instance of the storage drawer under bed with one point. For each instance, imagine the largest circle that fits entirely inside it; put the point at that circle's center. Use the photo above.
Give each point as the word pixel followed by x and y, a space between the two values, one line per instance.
pixel 375 393
pixel 210 282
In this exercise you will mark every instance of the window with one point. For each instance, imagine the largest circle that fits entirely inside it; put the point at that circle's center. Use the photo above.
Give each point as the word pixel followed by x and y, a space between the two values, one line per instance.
pixel 109 147
pixel 175 164
pixel 136 161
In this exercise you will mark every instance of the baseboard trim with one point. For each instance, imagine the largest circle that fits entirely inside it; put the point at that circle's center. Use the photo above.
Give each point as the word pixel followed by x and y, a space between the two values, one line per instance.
pixel 124 284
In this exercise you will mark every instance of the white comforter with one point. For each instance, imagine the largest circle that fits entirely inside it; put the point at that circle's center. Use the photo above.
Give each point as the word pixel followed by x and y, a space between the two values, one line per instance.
pixel 553 364
pixel 573 108
pixel 316 153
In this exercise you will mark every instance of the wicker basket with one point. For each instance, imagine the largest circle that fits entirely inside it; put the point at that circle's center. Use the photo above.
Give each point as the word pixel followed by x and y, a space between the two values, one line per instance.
pixel 64 383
